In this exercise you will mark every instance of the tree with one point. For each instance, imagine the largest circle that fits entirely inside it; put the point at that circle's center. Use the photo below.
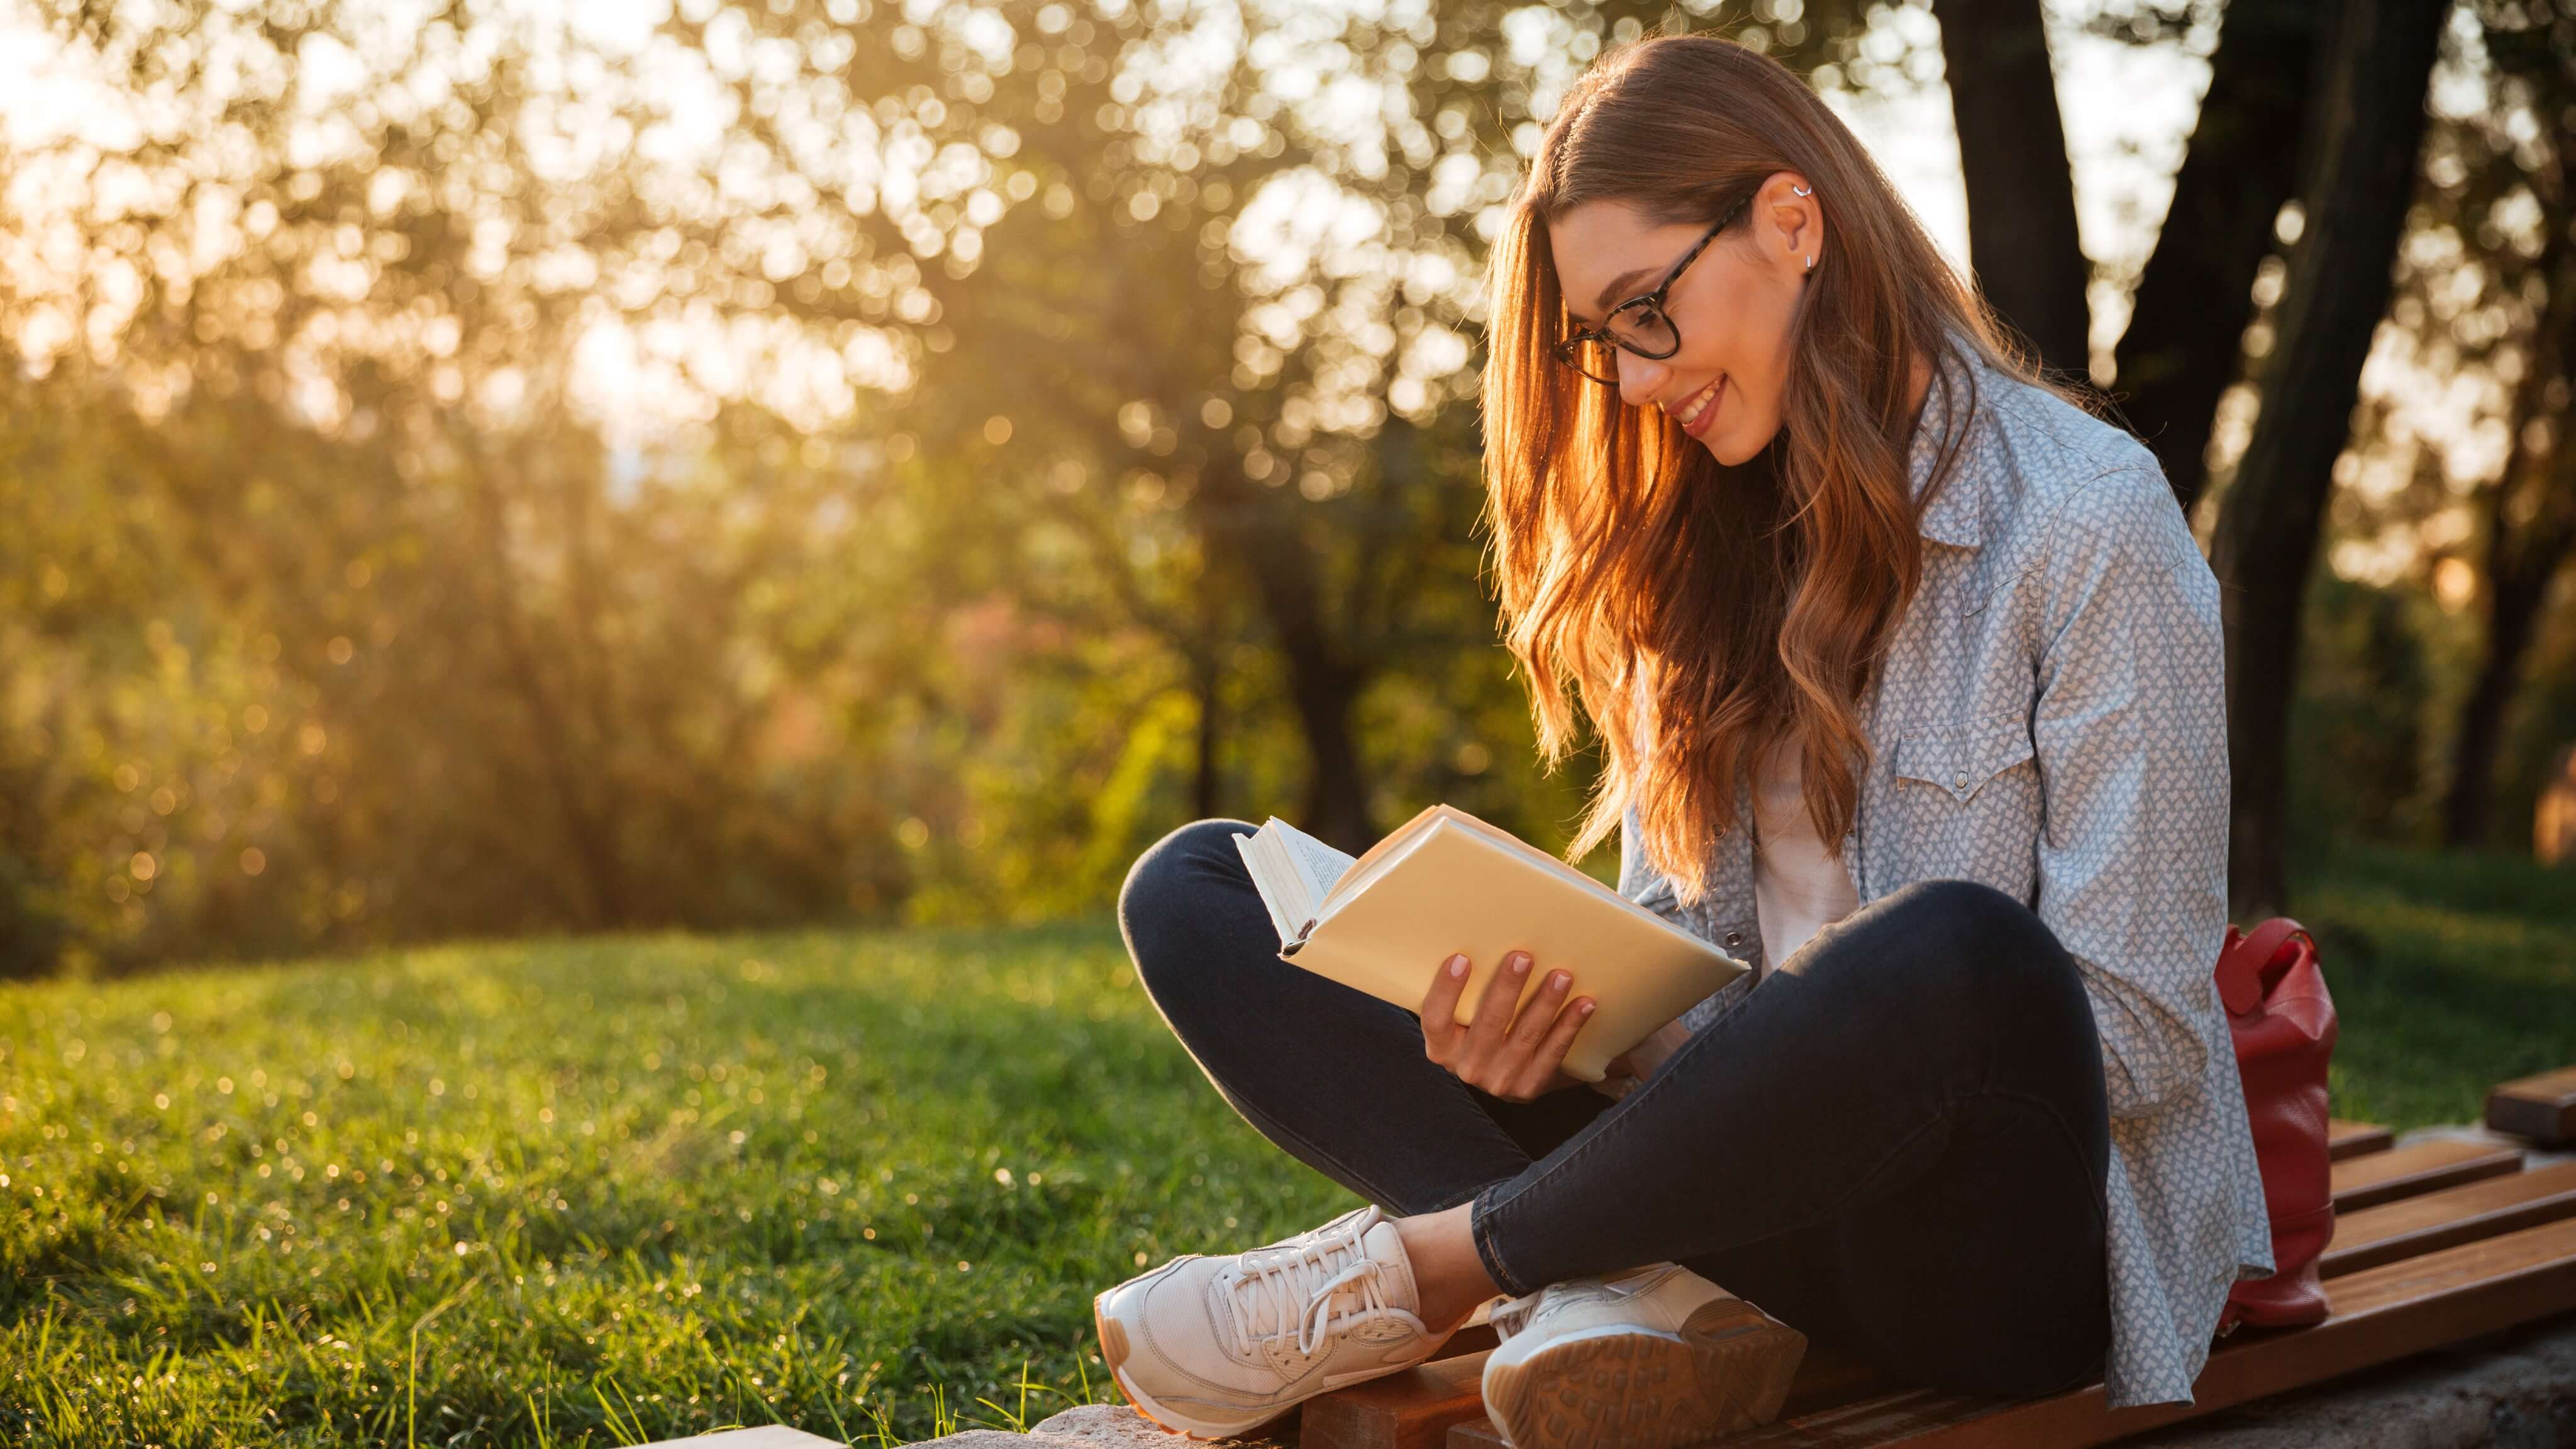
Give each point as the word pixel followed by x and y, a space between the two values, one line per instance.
pixel 2021 190
pixel 2185 340
pixel 2362 142
pixel 1227 305
pixel 434 653
pixel 2527 513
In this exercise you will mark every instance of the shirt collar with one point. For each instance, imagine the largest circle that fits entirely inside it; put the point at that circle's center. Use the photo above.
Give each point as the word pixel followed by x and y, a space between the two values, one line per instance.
pixel 1955 516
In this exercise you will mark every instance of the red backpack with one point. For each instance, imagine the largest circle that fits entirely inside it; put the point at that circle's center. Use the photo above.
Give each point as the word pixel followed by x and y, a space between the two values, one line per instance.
pixel 2284 1026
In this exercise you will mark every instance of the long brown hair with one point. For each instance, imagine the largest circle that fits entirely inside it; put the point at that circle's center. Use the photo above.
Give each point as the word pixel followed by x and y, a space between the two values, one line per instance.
pixel 1704 613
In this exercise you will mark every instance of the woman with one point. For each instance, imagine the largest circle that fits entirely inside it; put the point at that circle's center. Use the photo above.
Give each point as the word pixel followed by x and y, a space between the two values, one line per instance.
pixel 1923 677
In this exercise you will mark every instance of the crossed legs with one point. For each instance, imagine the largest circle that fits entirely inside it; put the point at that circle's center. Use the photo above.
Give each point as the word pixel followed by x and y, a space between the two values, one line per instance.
pixel 1897 1142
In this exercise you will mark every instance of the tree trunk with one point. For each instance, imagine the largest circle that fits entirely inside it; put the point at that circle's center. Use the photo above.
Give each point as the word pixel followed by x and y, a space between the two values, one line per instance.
pixel 2513 608
pixel 2022 241
pixel 2365 131
pixel 2524 545
pixel 1258 535
pixel 592 892
pixel 1206 678
pixel 2187 323
pixel 2521 564
pixel 1336 794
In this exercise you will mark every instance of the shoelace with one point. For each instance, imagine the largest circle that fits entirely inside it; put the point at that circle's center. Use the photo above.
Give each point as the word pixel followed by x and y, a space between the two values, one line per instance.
pixel 1299 1288
pixel 1513 1314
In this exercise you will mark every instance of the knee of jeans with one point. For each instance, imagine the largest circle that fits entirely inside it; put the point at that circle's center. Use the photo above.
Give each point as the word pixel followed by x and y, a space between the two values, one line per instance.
pixel 1160 879
pixel 1983 946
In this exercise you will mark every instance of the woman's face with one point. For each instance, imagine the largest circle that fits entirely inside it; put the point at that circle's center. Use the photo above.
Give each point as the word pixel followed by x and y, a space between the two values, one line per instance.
pixel 1732 306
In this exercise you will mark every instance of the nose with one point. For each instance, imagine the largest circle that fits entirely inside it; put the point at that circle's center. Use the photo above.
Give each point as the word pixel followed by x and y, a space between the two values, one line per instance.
pixel 1639 377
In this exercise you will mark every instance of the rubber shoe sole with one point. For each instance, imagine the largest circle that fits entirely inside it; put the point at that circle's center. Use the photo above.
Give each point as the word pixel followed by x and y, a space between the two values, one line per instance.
pixel 1727 1371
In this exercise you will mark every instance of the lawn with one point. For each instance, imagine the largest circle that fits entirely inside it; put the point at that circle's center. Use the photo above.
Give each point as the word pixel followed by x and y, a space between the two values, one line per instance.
pixel 604 1191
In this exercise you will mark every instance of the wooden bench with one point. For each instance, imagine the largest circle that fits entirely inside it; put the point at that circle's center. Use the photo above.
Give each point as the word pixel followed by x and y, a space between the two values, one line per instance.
pixel 2541 1108
pixel 2435 1242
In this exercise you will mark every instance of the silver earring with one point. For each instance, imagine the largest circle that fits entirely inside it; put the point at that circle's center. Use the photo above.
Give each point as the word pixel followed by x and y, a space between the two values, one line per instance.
pixel 1811 262
pixel 1797 190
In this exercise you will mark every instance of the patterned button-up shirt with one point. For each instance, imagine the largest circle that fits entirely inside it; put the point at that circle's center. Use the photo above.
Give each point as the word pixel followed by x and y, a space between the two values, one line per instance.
pixel 2050 719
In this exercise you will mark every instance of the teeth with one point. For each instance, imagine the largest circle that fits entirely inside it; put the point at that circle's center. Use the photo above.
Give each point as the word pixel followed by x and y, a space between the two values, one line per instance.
pixel 1700 404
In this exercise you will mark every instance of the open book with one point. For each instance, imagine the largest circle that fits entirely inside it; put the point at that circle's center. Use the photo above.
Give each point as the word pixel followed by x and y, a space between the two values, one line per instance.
pixel 1447 882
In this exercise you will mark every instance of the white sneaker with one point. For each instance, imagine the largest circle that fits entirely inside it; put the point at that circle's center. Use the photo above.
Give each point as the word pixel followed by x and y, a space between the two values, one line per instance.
pixel 1212 1346
pixel 1646 1359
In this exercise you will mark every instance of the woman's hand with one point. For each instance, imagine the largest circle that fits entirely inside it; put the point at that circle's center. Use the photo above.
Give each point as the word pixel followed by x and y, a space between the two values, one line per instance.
pixel 1514 1059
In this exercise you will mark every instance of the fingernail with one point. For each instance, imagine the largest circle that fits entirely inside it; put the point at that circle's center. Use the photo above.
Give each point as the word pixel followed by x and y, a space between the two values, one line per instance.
pixel 1520 965
pixel 1559 980
pixel 1457 965
pixel 1584 1010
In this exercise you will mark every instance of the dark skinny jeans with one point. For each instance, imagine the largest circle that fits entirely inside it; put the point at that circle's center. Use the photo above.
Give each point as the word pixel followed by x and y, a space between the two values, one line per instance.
pixel 1896 1143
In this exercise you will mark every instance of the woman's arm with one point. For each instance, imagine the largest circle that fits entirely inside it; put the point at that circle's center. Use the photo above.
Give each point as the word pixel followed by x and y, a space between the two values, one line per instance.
pixel 2130 732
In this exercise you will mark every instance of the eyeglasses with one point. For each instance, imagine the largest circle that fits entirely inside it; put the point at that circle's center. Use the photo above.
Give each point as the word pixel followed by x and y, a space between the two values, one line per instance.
pixel 1639 324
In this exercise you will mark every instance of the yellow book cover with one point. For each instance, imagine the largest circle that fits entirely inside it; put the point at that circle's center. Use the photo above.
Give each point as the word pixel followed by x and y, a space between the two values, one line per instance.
pixel 1447 882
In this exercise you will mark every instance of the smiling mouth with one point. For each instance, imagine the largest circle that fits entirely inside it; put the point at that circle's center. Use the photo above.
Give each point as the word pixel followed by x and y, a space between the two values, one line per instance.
pixel 1698 406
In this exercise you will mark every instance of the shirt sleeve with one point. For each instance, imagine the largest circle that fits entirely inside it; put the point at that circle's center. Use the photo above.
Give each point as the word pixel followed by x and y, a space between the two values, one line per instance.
pixel 2130 732
pixel 1641 883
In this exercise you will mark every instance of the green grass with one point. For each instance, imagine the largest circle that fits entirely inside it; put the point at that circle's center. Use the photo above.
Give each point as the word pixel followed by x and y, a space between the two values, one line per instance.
pixel 2449 974
pixel 598 1192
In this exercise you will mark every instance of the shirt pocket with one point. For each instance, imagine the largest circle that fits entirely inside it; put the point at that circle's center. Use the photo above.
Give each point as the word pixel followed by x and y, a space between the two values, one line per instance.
pixel 1959 759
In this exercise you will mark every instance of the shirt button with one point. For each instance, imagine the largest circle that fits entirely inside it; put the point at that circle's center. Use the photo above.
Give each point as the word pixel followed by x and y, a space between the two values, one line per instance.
pixel 1961 782
pixel 1735 938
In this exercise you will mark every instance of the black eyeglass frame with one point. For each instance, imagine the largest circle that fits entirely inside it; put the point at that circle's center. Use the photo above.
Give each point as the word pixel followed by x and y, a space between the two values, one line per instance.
pixel 1651 303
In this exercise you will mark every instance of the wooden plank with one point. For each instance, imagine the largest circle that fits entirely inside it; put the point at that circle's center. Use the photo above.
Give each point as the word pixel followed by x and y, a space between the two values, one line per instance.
pixel 2542 1108
pixel 1474 1338
pixel 1827 1379
pixel 2436 1220
pixel 1409 1410
pixel 2379 1177
pixel 2379 1315
pixel 2353 1139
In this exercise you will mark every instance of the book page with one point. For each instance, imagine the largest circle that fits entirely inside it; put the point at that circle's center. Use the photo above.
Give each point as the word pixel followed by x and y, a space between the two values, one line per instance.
pixel 1275 879
pixel 1320 864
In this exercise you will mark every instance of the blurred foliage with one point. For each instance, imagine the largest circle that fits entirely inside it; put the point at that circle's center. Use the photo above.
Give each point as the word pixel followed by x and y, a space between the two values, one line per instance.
pixel 475 468
pixel 2363 680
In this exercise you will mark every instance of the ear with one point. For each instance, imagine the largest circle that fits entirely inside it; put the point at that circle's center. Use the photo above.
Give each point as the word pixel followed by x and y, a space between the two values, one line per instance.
pixel 1789 227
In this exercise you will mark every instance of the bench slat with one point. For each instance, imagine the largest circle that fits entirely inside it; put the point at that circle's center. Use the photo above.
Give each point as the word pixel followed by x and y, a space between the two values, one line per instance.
pixel 1409 1410
pixel 2353 1139
pixel 2542 1108
pixel 2379 1177
pixel 1827 1379
pixel 2436 1220
pixel 2380 1314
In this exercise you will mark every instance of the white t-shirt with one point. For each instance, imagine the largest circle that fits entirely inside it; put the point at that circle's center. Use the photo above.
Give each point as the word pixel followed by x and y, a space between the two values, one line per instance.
pixel 1798 887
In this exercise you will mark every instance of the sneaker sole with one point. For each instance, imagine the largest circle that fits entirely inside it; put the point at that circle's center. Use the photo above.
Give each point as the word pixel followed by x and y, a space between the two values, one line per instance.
pixel 1728 1370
